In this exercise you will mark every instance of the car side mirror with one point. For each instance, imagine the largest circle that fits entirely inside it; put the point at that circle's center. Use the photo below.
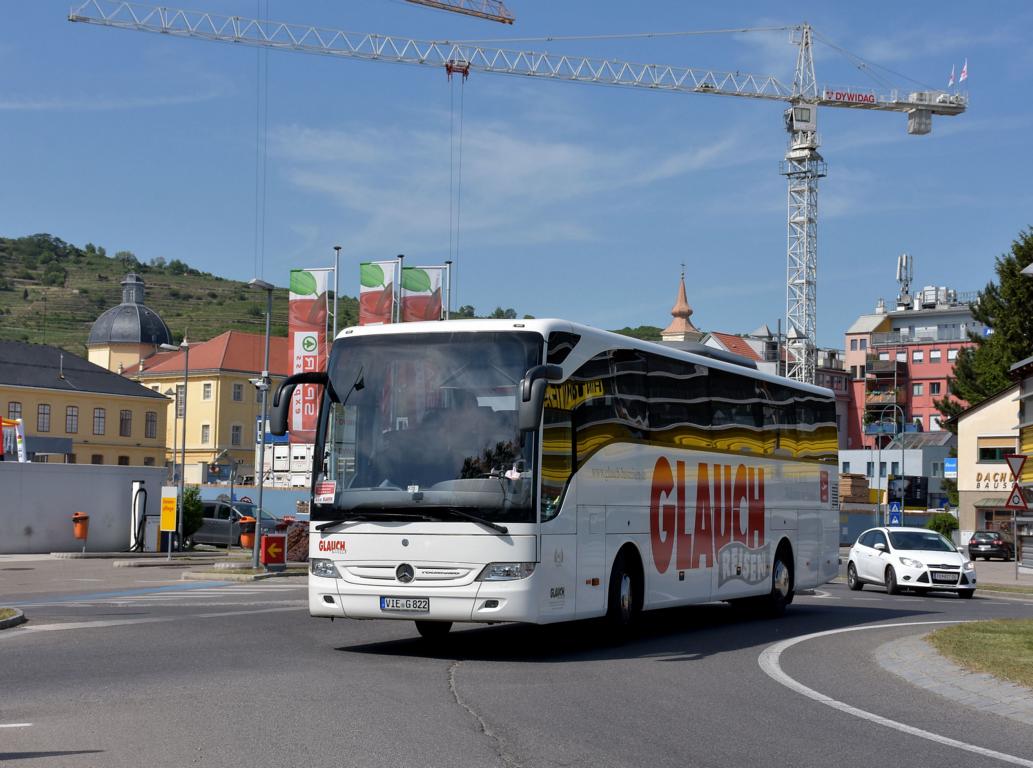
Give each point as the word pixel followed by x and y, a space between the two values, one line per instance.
pixel 880 546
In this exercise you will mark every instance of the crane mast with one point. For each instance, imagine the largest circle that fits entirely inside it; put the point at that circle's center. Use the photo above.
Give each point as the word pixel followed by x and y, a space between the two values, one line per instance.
pixel 802 166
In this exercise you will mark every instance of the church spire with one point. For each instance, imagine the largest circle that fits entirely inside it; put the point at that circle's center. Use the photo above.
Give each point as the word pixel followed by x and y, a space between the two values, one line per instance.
pixel 681 327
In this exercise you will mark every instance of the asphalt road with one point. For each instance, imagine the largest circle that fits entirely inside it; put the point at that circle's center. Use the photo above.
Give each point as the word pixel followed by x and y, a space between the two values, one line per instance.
pixel 175 674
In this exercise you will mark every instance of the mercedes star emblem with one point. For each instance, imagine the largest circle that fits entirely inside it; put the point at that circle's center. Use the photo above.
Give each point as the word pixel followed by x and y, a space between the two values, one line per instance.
pixel 405 573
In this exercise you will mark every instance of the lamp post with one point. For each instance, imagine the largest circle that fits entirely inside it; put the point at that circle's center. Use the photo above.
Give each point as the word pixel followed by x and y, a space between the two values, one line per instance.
pixel 263 388
pixel 185 347
pixel 882 415
pixel 171 393
pixel 337 263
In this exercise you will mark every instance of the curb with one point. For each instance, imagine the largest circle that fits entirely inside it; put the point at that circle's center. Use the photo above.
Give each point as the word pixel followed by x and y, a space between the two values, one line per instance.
pixel 163 563
pixel 223 575
pixel 13 621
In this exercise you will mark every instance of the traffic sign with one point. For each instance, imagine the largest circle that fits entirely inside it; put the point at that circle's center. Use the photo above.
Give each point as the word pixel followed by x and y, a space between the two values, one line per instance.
pixel 950 468
pixel 896 517
pixel 1016 500
pixel 1015 462
pixel 274 550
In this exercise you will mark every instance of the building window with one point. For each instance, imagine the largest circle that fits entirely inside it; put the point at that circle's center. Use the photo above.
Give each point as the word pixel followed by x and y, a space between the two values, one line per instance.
pixel 123 461
pixel 205 433
pixel 853 345
pixel 937 469
pixel 156 387
pixel 869 467
pixel 934 387
pixel 236 432
pixel 148 461
pixel 150 424
pixel 952 355
pixel 902 357
pixel 72 419
pixel 846 467
pixel 96 458
pixel 206 391
pixel 884 356
pixel 70 458
pixel 916 389
pixel 125 423
pixel 864 344
pixel 934 355
pixel 181 391
pixel 43 417
pixel 860 371
pixel 14 410
pixel 934 423
pixel 99 417
pixel 917 356
pixel 993 455
pixel 894 468
pixel 882 469
pixel 238 392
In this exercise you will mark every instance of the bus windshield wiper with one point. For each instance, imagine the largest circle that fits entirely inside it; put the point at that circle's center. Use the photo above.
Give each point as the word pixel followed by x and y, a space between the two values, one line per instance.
pixel 475 519
pixel 363 517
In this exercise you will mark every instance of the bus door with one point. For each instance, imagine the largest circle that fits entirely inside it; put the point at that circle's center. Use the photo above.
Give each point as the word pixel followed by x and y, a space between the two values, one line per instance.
pixel 592 580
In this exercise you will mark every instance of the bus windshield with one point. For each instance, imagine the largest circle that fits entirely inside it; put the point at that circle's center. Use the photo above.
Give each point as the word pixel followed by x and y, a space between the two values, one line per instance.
pixel 425 425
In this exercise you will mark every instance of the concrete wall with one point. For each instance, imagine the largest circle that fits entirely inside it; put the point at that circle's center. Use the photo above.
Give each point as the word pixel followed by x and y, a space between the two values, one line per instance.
pixel 37 502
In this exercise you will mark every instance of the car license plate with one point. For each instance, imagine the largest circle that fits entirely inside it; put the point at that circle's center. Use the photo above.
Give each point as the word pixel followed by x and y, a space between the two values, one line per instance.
pixel 984 546
pixel 405 604
pixel 945 578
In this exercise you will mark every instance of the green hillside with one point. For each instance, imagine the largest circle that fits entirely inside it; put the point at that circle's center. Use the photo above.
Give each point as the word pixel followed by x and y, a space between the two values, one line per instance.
pixel 52 291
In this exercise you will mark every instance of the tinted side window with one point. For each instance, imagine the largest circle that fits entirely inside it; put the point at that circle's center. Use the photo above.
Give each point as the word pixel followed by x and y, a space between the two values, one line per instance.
pixel 867 539
pixel 880 538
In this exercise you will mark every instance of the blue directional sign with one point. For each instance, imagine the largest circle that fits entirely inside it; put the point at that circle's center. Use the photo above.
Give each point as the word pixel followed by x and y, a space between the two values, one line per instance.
pixel 896 515
pixel 950 468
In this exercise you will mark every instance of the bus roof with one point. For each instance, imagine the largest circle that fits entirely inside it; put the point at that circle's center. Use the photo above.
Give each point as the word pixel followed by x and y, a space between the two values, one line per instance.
pixel 545 326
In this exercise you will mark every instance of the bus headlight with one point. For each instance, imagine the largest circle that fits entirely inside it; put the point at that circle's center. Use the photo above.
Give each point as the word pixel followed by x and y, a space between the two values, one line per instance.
pixel 324 568
pixel 506 571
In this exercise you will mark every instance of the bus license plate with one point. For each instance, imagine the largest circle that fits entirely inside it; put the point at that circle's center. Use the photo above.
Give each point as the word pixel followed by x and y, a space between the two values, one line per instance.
pixel 405 604
pixel 946 578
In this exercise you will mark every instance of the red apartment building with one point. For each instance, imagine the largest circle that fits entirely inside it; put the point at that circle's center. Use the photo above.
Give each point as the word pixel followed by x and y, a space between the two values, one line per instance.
pixel 901 361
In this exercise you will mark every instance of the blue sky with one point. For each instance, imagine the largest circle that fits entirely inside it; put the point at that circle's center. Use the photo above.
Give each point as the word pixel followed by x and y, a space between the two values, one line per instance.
pixel 577 201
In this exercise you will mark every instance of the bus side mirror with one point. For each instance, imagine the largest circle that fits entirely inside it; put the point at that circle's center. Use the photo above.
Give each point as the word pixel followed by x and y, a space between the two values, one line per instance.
pixel 282 398
pixel 532 395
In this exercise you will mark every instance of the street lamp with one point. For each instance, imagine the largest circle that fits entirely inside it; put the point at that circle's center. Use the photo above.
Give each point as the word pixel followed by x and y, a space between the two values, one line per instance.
pixel 171 393
pixel 263 388
pixel 185 347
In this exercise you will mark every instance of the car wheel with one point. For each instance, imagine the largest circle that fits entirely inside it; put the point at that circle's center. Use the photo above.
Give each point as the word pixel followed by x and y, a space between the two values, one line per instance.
pixel 851 579
pixel 966 593
pixel 891 582
pixel 623 606
pixel 433 630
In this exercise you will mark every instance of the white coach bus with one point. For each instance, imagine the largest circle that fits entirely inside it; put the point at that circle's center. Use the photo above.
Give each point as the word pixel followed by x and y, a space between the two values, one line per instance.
pixel 541 471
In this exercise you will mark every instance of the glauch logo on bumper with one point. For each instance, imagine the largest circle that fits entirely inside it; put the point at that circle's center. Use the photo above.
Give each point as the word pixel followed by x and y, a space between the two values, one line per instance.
pixel 725 528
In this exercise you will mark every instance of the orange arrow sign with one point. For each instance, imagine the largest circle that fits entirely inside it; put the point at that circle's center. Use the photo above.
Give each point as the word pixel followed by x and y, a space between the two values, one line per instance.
pixel 274 550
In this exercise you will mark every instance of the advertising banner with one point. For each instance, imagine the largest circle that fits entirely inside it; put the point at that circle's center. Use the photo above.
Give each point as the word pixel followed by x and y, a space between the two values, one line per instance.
pixel 421 293
pixel 308 349
pixel 378 282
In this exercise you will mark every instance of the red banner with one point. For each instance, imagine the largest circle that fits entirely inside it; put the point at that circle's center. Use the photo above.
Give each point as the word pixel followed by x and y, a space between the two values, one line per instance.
pixel 308 348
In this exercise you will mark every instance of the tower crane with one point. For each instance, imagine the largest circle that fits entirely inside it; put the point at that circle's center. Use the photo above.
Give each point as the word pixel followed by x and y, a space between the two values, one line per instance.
pixel 802 166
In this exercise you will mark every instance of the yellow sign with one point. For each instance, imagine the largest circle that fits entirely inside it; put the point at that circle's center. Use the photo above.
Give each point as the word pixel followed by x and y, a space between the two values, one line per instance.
pixel 168 513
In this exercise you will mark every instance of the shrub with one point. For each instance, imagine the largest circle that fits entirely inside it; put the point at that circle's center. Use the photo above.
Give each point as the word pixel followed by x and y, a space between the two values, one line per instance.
pixel 943 523
pixel 192 510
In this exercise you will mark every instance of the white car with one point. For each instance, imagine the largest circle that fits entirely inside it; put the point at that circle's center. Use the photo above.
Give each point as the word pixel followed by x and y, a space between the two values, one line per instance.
pixel 909 558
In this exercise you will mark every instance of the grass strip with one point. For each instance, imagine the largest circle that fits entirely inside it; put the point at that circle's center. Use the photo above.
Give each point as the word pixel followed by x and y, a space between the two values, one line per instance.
pixel 1002 648
pixel 6 613
pixel 1007 588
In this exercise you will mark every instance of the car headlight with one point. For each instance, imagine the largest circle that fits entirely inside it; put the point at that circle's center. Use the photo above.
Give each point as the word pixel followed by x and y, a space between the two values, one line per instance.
pixel 506 571
pixel 911 563
pixel 968 565
pixel 325 568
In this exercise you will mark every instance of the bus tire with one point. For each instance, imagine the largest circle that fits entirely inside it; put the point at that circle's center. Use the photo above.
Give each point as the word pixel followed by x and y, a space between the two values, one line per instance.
pixel 433 630
pixel 781 594
pixel 624 598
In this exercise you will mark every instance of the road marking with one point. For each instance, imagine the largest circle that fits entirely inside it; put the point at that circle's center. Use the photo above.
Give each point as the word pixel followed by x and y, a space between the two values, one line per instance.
pixel 769 661
pixel 15 725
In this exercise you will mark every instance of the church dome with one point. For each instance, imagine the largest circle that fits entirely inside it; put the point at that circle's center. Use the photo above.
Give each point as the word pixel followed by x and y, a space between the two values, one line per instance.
pixel 130 322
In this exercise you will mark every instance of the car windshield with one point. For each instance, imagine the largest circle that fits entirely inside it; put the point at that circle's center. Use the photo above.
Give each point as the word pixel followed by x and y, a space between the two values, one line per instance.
pixel 427 420
pixel 250 509
pixel 985 536
pixel 927 541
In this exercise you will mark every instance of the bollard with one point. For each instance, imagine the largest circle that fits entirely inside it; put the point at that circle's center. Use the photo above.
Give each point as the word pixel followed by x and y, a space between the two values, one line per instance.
pixel 81 527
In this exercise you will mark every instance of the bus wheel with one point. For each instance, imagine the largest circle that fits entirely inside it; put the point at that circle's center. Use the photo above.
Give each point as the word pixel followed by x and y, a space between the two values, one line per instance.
pixel 433 630
pixel 781 584
pixel 623 604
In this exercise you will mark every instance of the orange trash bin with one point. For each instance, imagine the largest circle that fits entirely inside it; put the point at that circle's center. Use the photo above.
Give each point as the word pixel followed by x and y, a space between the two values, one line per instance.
pixel 247 532
pixel 80 525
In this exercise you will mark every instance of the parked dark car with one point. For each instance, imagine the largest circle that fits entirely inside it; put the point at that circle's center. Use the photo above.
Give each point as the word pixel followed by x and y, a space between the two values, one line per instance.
pixel 220 523
pixel 987 544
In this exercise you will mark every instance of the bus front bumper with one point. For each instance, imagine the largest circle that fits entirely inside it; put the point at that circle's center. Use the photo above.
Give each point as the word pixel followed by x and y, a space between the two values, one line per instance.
pixel 477 602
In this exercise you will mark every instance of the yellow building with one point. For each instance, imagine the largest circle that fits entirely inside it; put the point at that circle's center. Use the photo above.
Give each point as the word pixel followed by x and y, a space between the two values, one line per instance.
pixel 77 412
pixel 222 405
pixel 1022 372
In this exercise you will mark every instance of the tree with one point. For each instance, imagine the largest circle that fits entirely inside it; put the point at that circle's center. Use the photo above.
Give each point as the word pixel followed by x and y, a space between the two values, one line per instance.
pixel 503 314
pixel 193 510
pixel 982 370
pixel 466 312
